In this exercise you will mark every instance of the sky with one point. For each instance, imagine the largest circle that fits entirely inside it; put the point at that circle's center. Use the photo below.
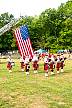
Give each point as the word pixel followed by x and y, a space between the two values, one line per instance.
pixel 28 7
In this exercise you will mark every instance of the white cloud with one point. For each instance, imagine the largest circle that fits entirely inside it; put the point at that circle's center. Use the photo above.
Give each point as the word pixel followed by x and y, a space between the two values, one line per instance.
pixel 28 7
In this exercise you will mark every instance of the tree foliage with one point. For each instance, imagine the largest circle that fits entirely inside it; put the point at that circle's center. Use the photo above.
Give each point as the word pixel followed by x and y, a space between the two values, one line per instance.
pixel 51 29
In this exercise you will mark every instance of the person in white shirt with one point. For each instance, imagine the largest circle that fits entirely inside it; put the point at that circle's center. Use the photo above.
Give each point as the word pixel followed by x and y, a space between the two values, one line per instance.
pixel 27 66
pixel 46 67
pixel 22 63
pixel 9 64
pixel 35 64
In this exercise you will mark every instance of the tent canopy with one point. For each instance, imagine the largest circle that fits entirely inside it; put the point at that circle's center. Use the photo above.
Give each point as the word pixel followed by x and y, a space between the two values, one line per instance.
pixel 60 51
pixel 41 51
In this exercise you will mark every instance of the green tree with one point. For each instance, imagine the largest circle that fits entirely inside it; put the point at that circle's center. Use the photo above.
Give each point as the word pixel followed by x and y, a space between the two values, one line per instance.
pixel 7 38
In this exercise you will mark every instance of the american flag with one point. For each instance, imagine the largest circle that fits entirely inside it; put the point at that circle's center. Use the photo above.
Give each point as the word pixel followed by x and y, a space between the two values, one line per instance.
pixel 23 41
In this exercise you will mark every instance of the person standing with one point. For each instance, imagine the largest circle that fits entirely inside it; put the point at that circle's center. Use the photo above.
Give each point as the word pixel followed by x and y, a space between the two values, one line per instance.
pixel 9 64
pixel 46 67
pixel 58 63
pixel 22 63
pixel 35 63
pixel 27 66
pixel 62 62
pixel 51 64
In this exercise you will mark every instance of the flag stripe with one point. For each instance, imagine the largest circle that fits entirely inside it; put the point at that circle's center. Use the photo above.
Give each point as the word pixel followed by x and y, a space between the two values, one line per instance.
pixel 24 46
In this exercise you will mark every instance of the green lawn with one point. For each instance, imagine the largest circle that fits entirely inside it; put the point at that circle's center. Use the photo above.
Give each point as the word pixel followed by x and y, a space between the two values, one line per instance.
pixel 35 91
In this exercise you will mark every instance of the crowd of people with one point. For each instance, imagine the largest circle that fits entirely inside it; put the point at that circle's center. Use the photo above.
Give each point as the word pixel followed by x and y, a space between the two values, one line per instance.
pixel 51 62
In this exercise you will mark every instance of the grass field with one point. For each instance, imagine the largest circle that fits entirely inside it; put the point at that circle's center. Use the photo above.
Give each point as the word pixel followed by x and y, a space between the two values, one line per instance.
pixel 35 91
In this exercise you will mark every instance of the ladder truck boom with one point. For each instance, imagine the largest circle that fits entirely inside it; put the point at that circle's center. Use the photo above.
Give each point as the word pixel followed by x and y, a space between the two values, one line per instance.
pixel 9 25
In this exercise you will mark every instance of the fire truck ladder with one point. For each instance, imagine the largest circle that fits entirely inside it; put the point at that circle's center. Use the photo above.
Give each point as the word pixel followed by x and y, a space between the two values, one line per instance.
pixel 8 26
